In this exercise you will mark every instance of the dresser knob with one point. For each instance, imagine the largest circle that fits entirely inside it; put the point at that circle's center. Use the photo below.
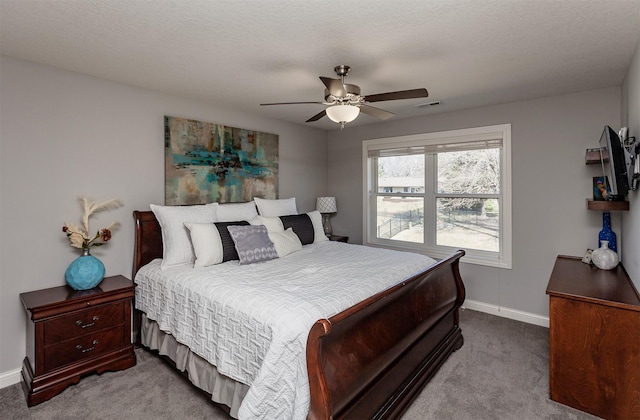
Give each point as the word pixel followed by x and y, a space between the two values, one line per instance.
pixel 83 350
pixel 82 325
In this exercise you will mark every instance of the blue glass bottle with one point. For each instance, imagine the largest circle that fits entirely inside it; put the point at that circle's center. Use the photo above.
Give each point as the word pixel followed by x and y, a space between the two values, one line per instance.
pixel 606 234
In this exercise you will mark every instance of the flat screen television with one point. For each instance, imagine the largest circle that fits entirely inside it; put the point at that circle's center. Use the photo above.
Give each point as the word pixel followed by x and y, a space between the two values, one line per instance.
pixel 615 171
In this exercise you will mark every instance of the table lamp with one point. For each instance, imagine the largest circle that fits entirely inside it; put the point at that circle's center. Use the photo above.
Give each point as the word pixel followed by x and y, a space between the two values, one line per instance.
pixel 326 206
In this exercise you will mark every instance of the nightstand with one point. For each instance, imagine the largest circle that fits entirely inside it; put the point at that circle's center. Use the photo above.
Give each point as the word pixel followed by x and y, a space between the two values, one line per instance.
pixel 72 333
pixel 338 238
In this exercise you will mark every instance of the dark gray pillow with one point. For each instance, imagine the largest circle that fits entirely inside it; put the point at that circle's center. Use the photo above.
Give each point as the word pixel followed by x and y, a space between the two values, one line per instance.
pixel 252 243
pixel 301 225
pixel 228 247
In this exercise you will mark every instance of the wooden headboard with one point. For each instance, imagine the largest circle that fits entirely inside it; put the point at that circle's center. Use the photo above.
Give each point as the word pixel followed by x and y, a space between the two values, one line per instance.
pixel 148 240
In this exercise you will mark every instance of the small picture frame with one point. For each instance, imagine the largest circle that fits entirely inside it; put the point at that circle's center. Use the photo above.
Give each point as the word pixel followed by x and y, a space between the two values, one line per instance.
pixel 587 256
pixel 600 188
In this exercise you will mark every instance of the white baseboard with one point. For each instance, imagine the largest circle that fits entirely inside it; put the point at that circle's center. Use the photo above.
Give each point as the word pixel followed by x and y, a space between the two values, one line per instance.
pixel 514 314
pixel 9 378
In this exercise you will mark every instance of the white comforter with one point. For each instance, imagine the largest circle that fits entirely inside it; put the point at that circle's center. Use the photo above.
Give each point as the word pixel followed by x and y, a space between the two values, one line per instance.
pixel 252 321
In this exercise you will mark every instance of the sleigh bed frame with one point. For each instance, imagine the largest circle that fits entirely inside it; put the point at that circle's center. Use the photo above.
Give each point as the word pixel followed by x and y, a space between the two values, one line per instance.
pixel 371 360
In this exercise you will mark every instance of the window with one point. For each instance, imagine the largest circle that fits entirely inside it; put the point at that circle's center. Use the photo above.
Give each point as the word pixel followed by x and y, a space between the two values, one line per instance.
pixel 438 192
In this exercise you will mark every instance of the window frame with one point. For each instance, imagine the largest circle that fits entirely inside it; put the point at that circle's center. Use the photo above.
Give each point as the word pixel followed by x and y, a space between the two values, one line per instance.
pixel 500 259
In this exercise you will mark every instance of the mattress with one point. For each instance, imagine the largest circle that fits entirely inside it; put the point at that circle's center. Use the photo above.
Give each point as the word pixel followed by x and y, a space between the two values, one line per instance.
pixel 252 321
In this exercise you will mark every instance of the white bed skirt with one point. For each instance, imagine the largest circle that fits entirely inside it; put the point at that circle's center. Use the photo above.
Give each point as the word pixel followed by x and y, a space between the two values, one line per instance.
pixel 201 373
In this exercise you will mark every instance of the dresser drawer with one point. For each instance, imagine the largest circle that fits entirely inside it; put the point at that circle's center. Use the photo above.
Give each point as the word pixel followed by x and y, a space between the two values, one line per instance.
pixel 83 322
pixel 84 347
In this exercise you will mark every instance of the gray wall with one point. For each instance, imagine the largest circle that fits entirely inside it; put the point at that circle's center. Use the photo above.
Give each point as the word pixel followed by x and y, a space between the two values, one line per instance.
pixel 549 178
pixel 631 119
pixel 63 135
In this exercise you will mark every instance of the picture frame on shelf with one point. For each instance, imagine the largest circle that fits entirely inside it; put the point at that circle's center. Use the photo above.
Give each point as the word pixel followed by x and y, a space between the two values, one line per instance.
pixel 600 189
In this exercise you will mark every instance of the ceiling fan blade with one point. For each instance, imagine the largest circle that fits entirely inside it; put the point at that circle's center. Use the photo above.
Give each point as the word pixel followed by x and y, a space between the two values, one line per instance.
pixel 401 94
pixel 335 86
pixel 317 116
pixel 376 112
pixel 291 103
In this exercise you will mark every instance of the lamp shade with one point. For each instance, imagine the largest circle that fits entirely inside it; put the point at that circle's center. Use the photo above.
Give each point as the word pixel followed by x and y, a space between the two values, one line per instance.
pixel 342 113
pixel 326 205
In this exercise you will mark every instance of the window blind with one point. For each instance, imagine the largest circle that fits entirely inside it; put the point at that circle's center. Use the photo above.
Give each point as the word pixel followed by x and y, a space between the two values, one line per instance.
pixel 435 148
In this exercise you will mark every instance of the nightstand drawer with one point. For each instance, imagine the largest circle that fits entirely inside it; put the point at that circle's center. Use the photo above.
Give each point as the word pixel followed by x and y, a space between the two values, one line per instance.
pixel 84 347
pixel 83 322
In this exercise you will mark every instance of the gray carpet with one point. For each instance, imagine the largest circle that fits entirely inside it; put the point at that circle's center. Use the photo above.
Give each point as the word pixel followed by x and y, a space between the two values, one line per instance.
pixel 501 372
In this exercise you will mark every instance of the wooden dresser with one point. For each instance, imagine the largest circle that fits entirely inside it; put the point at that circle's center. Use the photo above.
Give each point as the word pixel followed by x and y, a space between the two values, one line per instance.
pixel 594 339
pixel 72 333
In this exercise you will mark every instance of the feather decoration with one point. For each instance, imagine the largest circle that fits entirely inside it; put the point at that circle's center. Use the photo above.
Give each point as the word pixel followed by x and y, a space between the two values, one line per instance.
pixel 92 207
pixel 79 237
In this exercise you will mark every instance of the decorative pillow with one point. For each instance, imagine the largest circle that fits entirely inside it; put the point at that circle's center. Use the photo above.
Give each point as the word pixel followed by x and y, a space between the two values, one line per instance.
pixel 232 212
pixel 228 246
pixel 318 228
pixel 275 208
pixel 176 246
pixel 252 243
pixel 307 226
pixel 273 224
pixel 286 242
pixel 206 242
pixel 212 243
pixel 301 225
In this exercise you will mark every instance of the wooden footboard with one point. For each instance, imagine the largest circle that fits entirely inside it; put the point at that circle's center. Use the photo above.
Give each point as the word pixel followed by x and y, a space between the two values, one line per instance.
pixel 371 360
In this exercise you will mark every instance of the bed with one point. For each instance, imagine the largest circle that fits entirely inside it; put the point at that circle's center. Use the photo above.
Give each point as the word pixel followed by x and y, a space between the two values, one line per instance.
pixel 369 360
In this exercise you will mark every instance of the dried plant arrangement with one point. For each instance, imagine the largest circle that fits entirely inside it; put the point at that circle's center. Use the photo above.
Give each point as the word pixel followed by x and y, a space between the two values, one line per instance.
pixel 79 236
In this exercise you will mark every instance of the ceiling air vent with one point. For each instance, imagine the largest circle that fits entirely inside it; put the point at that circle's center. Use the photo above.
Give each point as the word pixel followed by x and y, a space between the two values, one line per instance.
pixel 426 104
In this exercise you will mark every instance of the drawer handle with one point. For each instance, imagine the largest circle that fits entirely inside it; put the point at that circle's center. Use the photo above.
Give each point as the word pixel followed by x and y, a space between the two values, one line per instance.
pixel 79 347
pixel 83 325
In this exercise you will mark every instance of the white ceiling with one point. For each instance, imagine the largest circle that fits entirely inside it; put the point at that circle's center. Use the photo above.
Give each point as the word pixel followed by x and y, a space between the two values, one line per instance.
pixel 240 53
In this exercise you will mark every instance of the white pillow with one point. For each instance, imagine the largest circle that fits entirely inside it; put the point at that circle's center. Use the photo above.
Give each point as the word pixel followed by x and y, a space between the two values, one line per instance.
pixel 176 245
pixel 206 242
pixel 275 208
pixel 318 229
pixel 285 242
pixel 236 212
pixel 273 224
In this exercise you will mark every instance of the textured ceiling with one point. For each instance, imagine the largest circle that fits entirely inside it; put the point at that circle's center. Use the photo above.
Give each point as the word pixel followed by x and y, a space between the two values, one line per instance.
pixel 239 54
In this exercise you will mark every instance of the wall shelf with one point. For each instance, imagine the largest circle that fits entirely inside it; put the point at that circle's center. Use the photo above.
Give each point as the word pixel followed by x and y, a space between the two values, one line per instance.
pixel 607 205
pixel 592 156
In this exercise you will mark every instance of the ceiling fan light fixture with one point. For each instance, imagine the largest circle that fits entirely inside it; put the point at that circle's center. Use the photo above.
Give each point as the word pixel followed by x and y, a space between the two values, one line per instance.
pixel 342 114
pixel 344 101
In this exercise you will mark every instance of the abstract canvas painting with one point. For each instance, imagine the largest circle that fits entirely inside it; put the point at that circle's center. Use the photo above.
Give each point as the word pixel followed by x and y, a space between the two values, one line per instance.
pixel 207 162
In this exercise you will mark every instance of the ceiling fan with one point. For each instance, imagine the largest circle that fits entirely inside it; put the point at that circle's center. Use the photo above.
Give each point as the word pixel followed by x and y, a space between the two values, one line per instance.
pixel 344 101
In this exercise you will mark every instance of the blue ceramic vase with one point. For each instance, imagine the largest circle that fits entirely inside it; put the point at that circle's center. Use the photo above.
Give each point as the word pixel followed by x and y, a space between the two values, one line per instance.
pixel 85 272
pixel 606 234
